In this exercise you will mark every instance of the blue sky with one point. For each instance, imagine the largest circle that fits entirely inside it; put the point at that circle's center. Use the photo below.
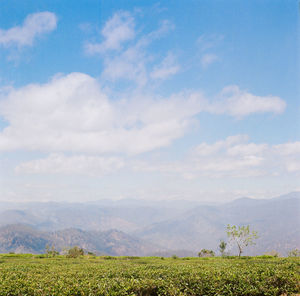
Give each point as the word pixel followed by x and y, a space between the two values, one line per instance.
pixel 144 99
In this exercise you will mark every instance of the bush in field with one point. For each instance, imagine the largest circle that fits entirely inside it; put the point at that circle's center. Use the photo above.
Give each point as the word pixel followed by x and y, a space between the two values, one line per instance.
pixel 294 253
pixel 75 252
pixel 206 253
pixel 273 253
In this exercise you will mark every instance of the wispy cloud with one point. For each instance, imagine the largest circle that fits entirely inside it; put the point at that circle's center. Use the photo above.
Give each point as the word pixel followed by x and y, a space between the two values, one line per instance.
pixel 124 51
pixel 208 59
pixel 233 157
pixel 34 25
pixel 206 45
pixel 240 103
pixel 207 42
pixel 166 68
pixel 117 30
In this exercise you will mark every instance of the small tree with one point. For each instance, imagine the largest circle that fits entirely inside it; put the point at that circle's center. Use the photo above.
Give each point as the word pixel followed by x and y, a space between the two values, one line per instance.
pixel 51 252
pixel 241 236
pixel 75 252
pixel 206 253
pixel 222 247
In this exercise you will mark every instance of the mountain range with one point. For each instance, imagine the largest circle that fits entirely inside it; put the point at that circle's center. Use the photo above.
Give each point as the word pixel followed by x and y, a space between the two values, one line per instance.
pixel 135 227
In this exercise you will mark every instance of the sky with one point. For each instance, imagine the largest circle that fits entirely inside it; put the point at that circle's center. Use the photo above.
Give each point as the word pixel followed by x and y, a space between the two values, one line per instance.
pixel 191 100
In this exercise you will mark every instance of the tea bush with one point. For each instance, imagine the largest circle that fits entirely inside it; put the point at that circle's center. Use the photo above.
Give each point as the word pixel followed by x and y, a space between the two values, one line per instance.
pixel 148 276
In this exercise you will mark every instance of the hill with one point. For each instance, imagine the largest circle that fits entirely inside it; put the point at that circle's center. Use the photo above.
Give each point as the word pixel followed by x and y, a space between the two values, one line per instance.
pixel 25 239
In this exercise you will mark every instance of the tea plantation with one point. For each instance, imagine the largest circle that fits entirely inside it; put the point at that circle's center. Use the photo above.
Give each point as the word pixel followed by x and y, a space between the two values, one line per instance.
pixel 89 275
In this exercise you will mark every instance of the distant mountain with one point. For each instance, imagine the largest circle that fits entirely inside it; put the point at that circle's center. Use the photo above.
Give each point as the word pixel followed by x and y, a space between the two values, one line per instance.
pixel 25 239
pixel 126 216
pixel 171 225
pixel 276 220
pixel 22 239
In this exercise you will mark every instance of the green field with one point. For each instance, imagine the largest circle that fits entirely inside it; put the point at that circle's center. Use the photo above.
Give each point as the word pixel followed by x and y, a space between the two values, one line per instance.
pixel 31 275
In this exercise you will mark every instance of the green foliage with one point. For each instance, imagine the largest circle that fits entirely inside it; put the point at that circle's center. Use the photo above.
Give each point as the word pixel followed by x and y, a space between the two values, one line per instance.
pixel 294 253
pixel 174 257
pixel 75 252
pixel 222 247
pixel 242 236
pixel 265 257
pixel 206 253
pixel 149 276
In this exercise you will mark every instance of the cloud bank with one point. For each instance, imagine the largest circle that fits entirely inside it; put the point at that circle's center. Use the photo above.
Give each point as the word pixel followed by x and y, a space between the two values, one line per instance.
pixel 233 157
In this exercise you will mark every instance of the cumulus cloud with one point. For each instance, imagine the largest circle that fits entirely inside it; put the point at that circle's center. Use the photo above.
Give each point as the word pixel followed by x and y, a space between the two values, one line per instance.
pixel 130 65
pixel 72 113
pixel 79 164
pixel 34 25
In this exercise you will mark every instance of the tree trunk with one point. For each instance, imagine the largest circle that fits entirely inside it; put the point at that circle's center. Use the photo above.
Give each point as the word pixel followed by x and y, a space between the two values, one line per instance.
pixel 240 250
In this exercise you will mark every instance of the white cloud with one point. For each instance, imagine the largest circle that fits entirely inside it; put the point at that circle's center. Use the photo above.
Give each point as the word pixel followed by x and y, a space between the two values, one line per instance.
pixel 240 103
pixel 205 44
pixel 129 65
pixel 291 148
pixel 167 68
pixel 165 27
pixel 33 26
pixel 117 30
pixel 130 61
pixel 80 164
pixel 208 59
pixel 233 157
pixel 291 153
pixel 72 113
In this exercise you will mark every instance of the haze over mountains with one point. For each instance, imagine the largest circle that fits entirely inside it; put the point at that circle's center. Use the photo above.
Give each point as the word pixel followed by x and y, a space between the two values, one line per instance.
pixel 134 227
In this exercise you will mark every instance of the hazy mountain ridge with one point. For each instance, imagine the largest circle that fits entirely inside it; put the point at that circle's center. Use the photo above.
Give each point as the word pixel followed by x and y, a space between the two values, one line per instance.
pixel 174 226
pixel 25 239
pixel 276 220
